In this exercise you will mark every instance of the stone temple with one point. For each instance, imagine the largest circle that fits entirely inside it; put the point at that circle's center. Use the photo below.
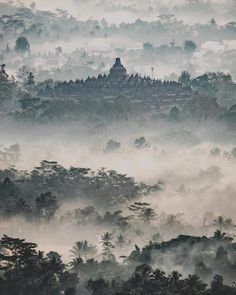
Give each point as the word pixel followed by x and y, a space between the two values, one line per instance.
pixel 153 93
pixel 118 71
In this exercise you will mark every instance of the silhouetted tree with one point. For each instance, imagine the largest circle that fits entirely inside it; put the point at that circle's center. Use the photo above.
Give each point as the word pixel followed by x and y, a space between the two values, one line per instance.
pixel 22 45
pixel 107 245
pixel 46 206
pixel 84 250
pixel 189 46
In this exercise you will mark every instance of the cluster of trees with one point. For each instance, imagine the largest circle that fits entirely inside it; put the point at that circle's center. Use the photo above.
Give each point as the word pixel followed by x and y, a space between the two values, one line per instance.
pixel 8 89
pixel 89 215
pixel 218 85
pixel 95 111
pixel 112 145
pixel 26 270
pixel 145 280
pixel 103 187
pixel 216 254
pixel 22 45
pixel 204 257
pixel 189 47
pixel 37 24
pixel 119 222
pixel 217 152
pixel 40 209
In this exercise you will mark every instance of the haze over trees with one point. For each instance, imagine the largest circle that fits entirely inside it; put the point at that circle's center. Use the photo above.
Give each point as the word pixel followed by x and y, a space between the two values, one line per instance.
pixel 117 147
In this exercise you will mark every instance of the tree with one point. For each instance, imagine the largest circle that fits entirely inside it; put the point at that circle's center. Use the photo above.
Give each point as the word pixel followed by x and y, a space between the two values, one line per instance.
pixel 84 250
pixel 233 152
pixel 25 270
pixel 175 281
pixel 8 189
pixel 193 285
pixel 172 220
pixel 22 208
pixel 58 51
pixel 3 74
pixel 217 284
pixel 223 223
pixel 140 143
pixel 123 223
pixel 98 287
pixel 215 152
pixel 106 241
pixel 203 108
pixel 143 211
pixel 120 241
pixel 174 113
pixel 7 88
pixel 86 215
pixel 184 78
pixel 189 46
pixel 221 236
pixel 147 214
pixel 112 146
pixel 213 21
pixel 147 46
pixel 30 79
pixel 22 45
pixel 46 206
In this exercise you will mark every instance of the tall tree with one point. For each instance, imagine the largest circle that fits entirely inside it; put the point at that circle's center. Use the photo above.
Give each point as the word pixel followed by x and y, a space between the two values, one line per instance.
pixel 84 250
pixel 22 45
pixel 107 245
pixel 46 206
pixel 143 211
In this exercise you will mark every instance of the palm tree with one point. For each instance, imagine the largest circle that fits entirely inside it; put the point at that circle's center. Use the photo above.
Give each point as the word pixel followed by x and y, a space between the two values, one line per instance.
pixel 174 280
pixel 223 223
pixel 147 214
pixel 84 250
pixel 75 264
pixel 106 240
pixel 194 285
pixel 158 274
pixel 120 241
pixel 123 223
pixel 221 236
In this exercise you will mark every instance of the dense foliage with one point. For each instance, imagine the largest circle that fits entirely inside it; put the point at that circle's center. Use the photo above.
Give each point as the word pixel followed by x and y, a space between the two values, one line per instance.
pixel 25 270
pixel 29 193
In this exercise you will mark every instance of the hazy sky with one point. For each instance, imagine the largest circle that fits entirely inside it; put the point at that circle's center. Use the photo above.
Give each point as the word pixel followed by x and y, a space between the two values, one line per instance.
pixel 130 10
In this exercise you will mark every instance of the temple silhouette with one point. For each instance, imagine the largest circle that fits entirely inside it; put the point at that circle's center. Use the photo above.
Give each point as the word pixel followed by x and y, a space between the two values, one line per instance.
pixel 118 71
pixel 117 83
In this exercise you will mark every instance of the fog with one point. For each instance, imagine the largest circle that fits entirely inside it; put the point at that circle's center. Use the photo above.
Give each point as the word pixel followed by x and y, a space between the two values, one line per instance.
pixel 117 145
pixel 180 156
pixel 129 11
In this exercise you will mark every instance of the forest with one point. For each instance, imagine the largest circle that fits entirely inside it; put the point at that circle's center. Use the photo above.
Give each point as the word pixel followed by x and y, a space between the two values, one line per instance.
pixel 117 147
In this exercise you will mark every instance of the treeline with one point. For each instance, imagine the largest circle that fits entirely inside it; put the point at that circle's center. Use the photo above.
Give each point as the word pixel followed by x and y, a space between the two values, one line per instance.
pixel 22 191
pixel 40 25
pixel 26 270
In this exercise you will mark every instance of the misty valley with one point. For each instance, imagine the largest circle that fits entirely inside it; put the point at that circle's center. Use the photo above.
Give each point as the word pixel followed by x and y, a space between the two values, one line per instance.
pixel 117 147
